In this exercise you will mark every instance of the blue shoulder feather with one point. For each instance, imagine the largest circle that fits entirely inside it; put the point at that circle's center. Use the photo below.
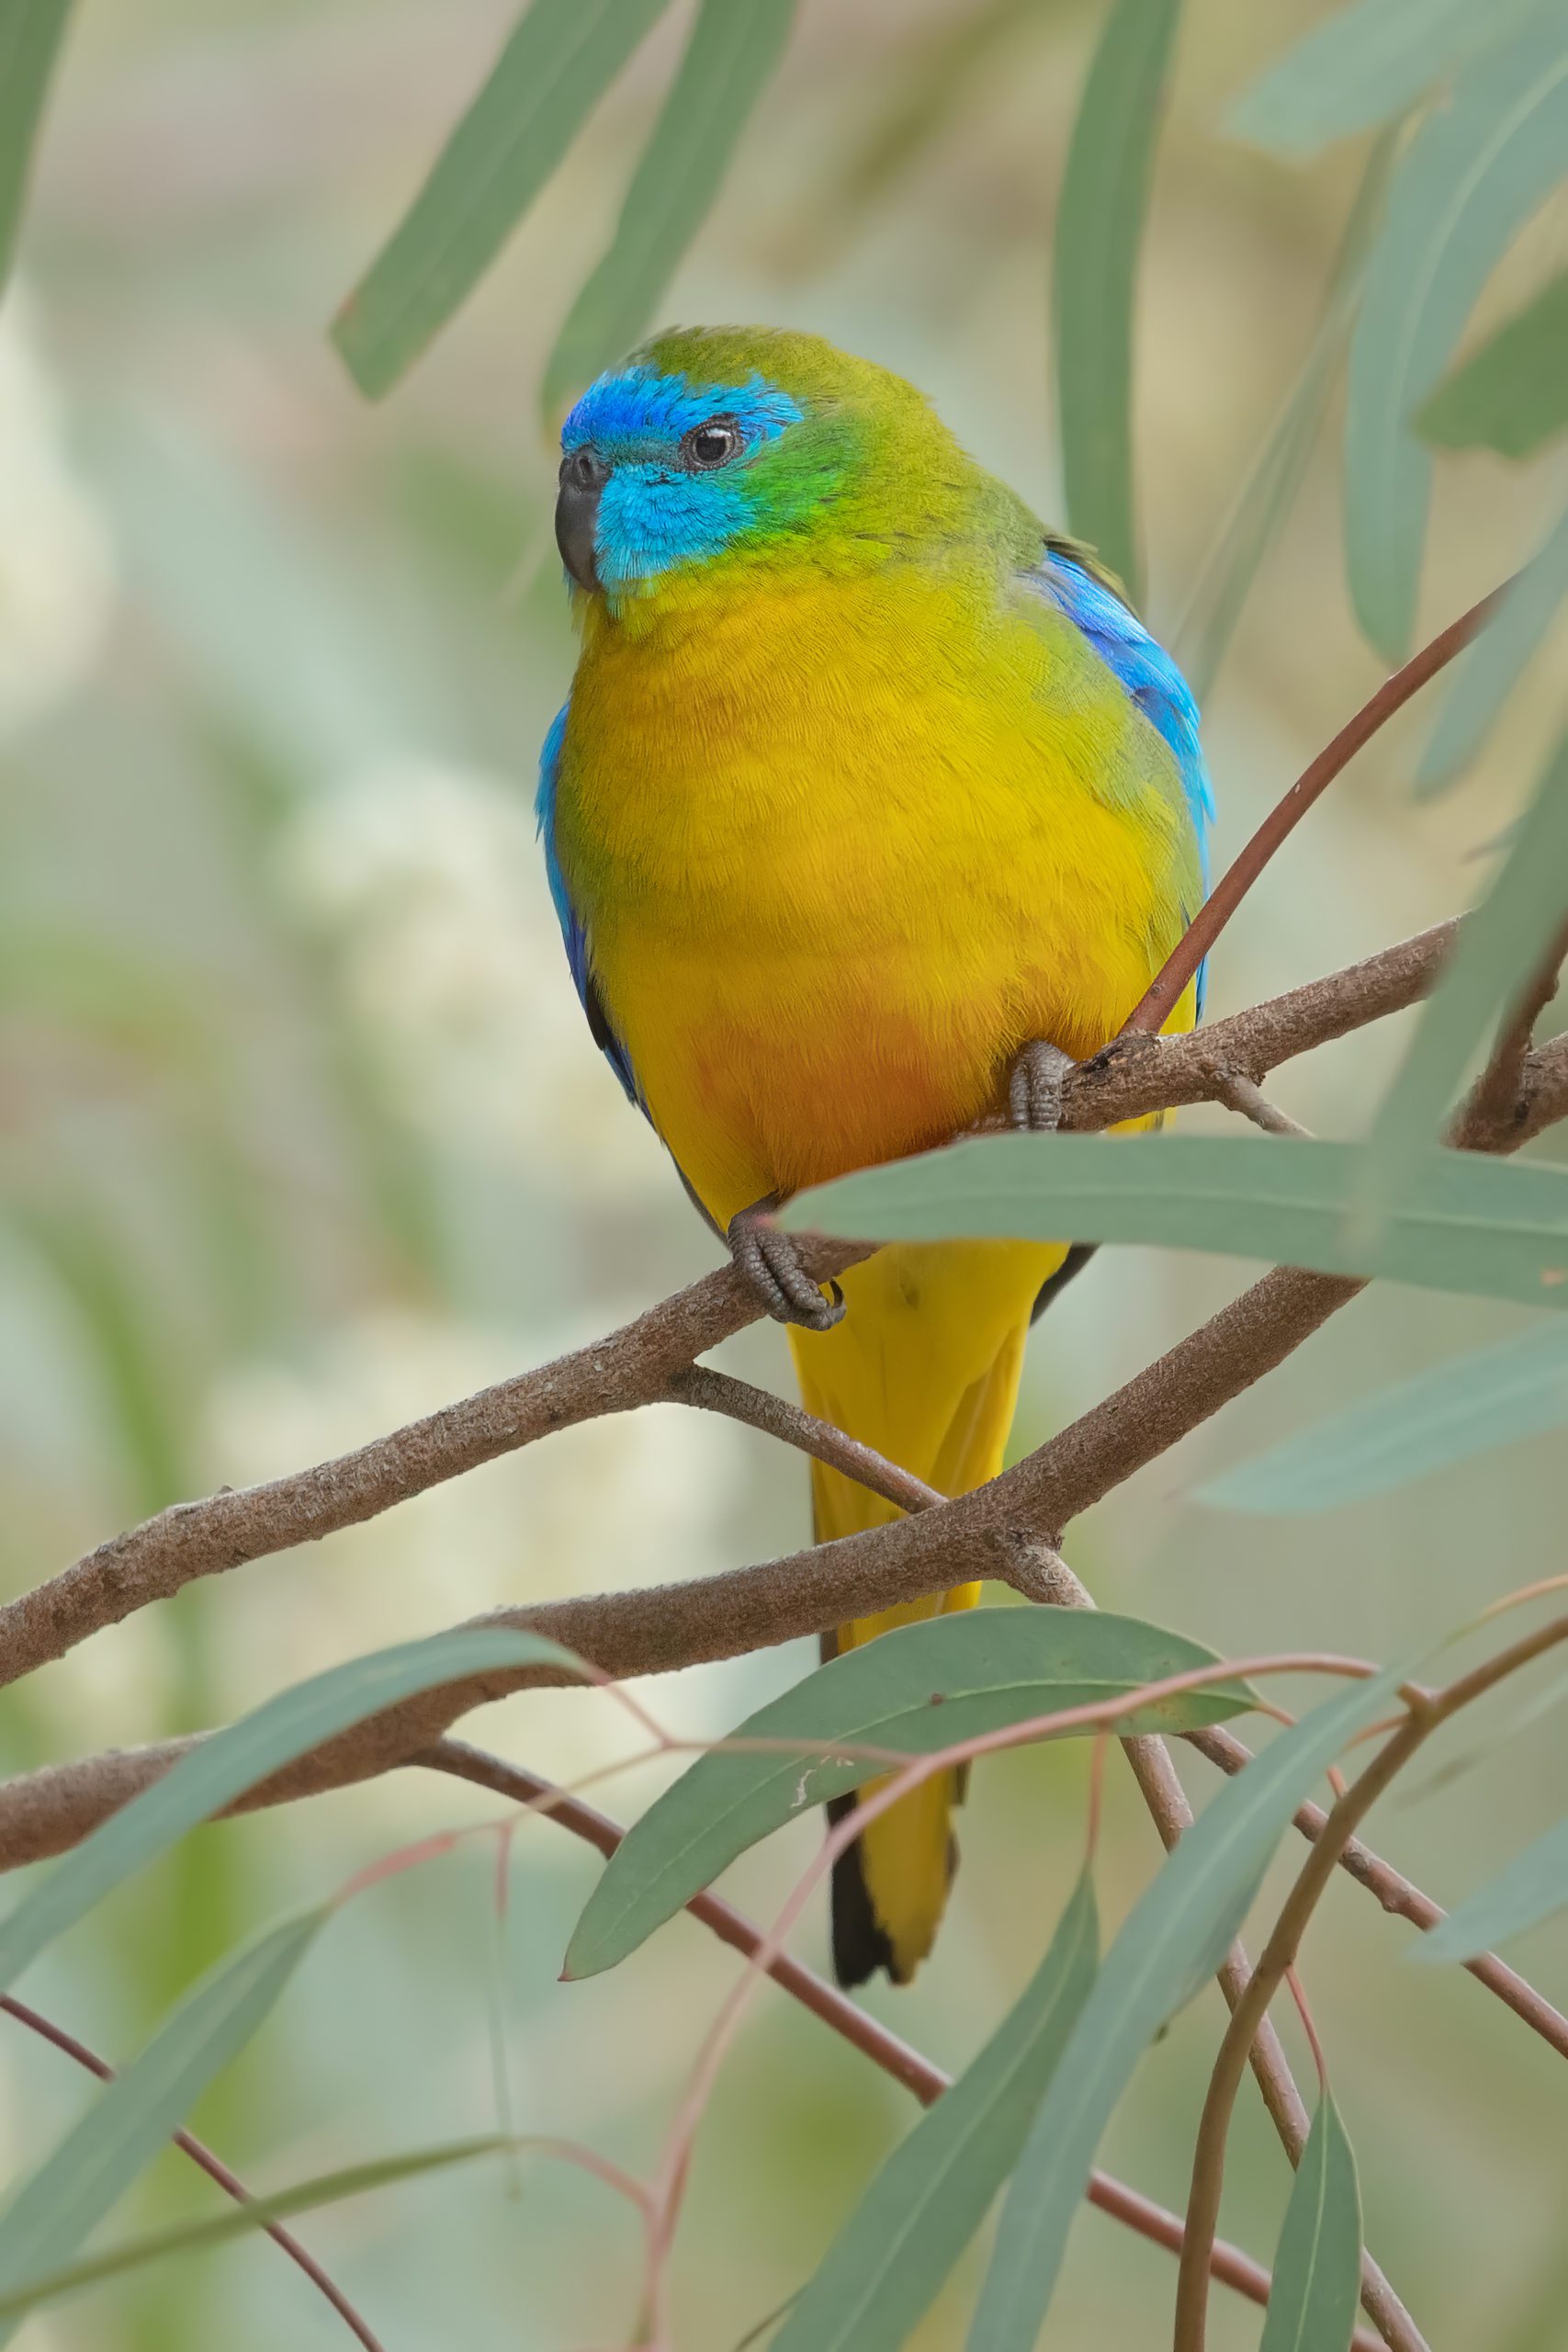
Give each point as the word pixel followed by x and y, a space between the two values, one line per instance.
pixel 1150 677
pixel 571 928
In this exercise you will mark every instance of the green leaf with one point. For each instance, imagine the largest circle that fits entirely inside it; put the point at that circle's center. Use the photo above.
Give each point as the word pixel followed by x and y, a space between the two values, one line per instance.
pixel 1463 1222
pixel 916 1690
pixel 1318 2269
pixel 1500 946
pixel 1100 226
pixel 1442 1417
pixel 1218 595
pixel 230 1761
pixel 52 2211
pixel 1367 64
pixel 1511 395
pixel 559 62
pixel 196 2237
pixel 728 62
pixel 1174 1937
pixel 1487 672
pixel 1474 174
pixel 889 2260
pixel 1532 1888
pixel 30 35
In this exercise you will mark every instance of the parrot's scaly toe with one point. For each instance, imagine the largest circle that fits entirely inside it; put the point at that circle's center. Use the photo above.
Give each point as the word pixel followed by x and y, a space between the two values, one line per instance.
pixel 1035 1088
pixel 770 1262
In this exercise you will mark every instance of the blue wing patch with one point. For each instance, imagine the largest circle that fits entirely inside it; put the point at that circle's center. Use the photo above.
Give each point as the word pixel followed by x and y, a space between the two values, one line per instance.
pixel 1150 677
pixel 571 930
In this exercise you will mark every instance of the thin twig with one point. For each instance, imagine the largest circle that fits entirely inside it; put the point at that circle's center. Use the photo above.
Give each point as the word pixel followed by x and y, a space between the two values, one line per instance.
pixel 1160 998
pixel 1400 1898
pixel 852 2023
pixel 758 1408
pixel 1238 1092
pixel 214 2167
pixel 1496 1097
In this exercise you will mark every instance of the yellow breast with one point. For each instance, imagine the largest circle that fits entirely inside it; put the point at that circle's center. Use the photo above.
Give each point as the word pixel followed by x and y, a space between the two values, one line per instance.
pixel 840 851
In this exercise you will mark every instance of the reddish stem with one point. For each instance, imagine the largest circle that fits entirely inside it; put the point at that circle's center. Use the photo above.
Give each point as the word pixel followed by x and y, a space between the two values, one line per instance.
pixel 213 2165
pixel 1161 996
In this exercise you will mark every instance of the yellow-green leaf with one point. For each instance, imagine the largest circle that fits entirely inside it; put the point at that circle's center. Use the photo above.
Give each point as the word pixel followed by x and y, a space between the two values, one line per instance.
pixel 559 62
pixel 1100 227
pixel 1317 2268
pixel 890 2258
pixel 1511 394
pixel 1474 174
pixel 728 62
pixel 30 35
pixel 1494 1229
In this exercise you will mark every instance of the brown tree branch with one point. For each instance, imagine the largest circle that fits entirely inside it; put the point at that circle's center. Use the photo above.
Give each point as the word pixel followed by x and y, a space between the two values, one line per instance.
pixel 637 1365
pixel 852 2023
pixel 228 2182
pixel 987 1533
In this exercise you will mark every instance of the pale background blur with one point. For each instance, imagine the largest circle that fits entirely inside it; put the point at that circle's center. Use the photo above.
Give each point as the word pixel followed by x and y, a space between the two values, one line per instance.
pixel 303 1135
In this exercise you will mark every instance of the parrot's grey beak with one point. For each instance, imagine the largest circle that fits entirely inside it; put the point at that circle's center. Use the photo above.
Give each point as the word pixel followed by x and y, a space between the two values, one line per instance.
pixel 583 476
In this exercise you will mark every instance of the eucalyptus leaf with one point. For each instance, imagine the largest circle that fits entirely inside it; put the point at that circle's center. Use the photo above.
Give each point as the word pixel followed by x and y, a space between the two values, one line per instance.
pixel 223 1767
pixel 1500 946
pixel 1511 394
pixel 1366 65
pixel 1533 1887
pixel 1317 2269
pixel 1100 227
pixel 1487 672
pixel 1218 595
pixel 560 60
pixel 1489 1228
pixel 728 62
pixel 30 35
pixel 241 2221
pixel 49 2216
pixel 1474 172
pixel 889 2260
pixel 916 1690
pixel 1174 1937
pixel 1423 1426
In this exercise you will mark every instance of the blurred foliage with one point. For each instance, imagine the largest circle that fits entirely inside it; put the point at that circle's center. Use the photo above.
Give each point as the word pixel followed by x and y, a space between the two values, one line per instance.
pixel 301 1136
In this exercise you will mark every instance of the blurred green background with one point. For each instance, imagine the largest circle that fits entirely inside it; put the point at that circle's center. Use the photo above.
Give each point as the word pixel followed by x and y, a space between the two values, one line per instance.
pixel 303 1135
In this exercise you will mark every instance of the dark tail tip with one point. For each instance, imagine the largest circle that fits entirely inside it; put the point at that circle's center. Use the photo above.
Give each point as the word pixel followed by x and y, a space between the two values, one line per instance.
pixel 860 1944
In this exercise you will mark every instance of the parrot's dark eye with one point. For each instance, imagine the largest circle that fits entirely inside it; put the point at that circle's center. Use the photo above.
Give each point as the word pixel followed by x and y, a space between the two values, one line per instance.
pixel 710 445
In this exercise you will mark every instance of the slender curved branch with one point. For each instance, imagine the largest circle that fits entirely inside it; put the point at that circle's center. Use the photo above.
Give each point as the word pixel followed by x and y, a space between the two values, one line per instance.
pixel 852 2023
pixel 636 1365
pixel 216 2169
pixel 1164 991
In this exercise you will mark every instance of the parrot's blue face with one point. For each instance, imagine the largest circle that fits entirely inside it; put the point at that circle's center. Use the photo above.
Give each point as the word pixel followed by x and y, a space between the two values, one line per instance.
pixel 657 471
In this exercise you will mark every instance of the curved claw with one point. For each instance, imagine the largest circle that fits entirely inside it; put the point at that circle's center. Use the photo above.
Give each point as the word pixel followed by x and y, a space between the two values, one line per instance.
pixel 770 1259
pixel 1035 1088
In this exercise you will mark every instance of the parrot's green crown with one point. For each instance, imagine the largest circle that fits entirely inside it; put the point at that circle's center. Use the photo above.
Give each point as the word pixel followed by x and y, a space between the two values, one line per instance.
pixel 725 443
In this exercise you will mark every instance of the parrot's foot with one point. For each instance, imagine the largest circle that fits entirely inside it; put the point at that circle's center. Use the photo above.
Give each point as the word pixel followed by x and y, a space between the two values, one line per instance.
pixel 770 1262
pixel 1035 1088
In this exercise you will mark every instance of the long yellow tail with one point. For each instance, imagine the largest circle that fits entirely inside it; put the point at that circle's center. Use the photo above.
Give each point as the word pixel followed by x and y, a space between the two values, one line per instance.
pixel 924 1368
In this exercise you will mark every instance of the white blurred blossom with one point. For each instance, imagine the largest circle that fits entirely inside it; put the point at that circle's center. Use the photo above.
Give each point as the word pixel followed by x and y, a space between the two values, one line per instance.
pixel 56 567
pixel 635 1499
pixel 434 883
